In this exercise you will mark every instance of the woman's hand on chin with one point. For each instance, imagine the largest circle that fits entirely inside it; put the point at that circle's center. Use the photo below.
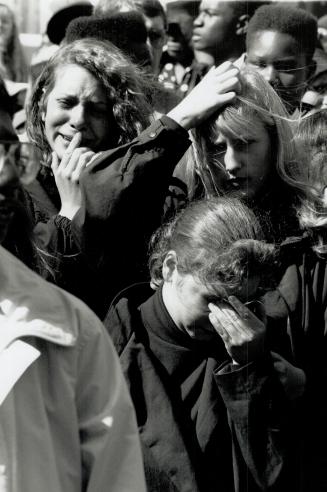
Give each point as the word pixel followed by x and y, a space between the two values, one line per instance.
pixel 67 174
pixel 242 332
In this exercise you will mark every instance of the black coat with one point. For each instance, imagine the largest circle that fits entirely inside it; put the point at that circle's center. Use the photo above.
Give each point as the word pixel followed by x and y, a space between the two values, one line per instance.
pixel 104 248
pixel 298 308
pixel 204 425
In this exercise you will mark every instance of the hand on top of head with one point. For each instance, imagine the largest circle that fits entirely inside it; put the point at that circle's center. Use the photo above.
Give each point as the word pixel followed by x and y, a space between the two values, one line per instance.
pixel 217 88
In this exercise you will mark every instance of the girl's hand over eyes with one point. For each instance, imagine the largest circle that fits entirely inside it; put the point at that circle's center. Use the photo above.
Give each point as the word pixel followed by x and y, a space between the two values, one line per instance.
pixel 242 332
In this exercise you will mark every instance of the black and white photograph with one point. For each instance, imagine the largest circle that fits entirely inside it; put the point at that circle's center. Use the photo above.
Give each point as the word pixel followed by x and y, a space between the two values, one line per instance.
pixel 163 254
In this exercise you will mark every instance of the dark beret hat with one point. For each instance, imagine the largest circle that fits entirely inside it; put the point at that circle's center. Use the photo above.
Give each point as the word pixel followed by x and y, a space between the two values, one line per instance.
pixel 126 30
pixel 58 23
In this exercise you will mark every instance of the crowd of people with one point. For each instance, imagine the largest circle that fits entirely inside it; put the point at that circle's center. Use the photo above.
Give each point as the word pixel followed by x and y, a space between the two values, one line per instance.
pixel 163 218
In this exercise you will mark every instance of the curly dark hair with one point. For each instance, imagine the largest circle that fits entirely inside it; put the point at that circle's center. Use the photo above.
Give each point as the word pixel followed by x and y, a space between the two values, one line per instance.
pixel 294 21
pixel 128 90
pixel 218 240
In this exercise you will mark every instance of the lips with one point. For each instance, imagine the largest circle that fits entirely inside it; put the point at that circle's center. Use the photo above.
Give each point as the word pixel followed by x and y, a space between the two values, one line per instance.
pixel 68 138
pixel 196 36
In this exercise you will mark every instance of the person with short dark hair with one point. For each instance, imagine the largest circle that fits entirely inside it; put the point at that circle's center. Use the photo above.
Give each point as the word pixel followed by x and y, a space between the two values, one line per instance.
pixel 178 57
pixel 219 30
pixel 154 17
pixel 17 233
pixel 126 30
pixel 280 44
pixel 63 13
pixel 219 34
pixel 156 26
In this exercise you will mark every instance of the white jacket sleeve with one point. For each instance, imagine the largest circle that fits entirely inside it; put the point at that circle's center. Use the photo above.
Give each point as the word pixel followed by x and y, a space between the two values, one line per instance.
pixel 111 451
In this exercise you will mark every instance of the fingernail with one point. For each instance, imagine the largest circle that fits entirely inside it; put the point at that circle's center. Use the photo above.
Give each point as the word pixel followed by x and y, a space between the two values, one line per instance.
pixel 77 136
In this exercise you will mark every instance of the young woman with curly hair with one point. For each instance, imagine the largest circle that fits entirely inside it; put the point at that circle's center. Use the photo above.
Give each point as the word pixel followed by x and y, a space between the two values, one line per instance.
pixel 211 409
pixel 90 114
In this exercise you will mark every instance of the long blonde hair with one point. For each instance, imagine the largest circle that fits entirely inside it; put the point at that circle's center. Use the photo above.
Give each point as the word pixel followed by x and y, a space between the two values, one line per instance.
pixel 257 104
pixel 311 138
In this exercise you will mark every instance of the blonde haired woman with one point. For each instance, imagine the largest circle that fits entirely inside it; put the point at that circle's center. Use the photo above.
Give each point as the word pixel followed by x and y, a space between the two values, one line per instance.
pixel 246 150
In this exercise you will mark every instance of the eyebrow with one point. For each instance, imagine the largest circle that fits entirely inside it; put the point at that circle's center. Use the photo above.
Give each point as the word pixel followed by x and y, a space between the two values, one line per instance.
pixel 73 97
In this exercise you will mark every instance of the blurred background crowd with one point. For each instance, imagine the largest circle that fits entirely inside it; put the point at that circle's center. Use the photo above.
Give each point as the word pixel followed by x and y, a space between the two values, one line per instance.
pixel 31 31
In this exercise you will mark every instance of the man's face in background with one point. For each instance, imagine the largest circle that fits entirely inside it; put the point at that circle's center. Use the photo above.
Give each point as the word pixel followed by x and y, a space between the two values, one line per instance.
pixel 279 59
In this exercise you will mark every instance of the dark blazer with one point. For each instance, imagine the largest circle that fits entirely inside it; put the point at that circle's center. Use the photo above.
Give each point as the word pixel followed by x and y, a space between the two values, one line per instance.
pixel 298 307
pixel 104 247
pixel 204 424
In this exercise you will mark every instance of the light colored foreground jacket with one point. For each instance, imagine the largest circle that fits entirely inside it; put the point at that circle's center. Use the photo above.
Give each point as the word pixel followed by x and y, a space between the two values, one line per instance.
pixel 67 423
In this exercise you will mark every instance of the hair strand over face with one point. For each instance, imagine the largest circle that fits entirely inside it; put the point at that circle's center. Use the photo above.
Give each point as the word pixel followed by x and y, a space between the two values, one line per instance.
pixel 127 89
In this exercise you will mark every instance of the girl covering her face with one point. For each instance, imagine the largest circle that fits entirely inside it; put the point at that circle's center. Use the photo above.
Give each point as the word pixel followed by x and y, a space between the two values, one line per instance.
pixel 193 349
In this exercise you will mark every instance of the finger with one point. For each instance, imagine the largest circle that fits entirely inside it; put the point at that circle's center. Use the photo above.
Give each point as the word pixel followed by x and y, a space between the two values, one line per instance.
pixel 239 62
pixel 243 311
pixel 220 70
pixel 232 84
pixel 230 321
pixel 98 154
pixel 251 323
pixel 224 311
pixel 73 144
pixel 260 311
pixel 82 163
pixel 223 67
pixel 233 72
pixel 54 162
pixel 75 158
pixel 226 97
pixel 219 327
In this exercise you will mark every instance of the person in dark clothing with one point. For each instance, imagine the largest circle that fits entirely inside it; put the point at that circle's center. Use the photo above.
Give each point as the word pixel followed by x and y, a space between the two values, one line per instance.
pixel 218 34
pixel 91 98
pixel 109 28
pixel 154 16
pixel 300 301
pixel 17 232
pixel 176 60
pixel 211 408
